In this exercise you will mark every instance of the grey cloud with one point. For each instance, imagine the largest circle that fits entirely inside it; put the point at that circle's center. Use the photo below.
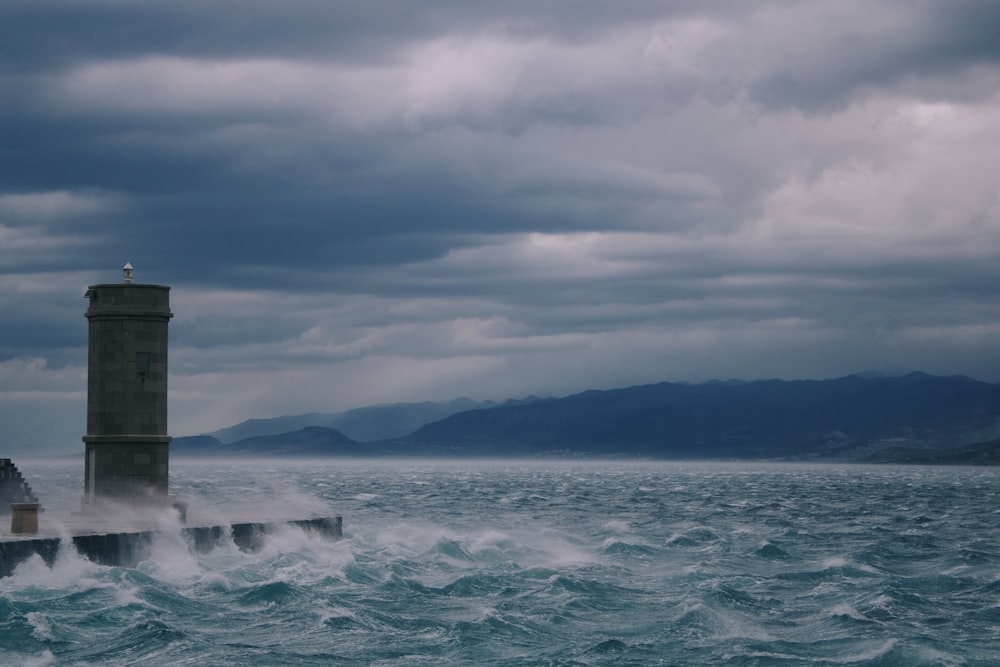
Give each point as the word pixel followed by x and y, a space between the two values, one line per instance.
pixel 913 40
pixel 510 198
pixel 55 34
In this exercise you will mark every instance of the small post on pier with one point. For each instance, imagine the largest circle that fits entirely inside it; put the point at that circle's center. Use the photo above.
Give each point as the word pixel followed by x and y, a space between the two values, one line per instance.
pixel 24 518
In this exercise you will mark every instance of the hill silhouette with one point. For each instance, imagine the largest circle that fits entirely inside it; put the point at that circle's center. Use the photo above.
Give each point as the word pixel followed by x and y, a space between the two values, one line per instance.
pixel 847 419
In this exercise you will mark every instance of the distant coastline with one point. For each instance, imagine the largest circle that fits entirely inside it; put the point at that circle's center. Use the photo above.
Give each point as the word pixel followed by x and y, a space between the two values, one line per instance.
pixel 917 418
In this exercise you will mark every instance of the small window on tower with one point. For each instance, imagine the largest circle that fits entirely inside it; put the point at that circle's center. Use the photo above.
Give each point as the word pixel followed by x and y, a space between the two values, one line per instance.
pixel 142 365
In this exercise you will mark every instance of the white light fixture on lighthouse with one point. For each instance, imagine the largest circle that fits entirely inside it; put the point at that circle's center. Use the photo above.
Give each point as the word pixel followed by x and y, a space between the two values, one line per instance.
pixel 127 273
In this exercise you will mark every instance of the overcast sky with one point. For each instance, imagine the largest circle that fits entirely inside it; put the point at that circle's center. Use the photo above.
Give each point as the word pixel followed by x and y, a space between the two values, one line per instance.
pixel 360 203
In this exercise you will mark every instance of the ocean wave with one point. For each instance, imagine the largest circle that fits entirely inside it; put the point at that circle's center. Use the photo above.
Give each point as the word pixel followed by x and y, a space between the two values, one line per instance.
pixel 663 564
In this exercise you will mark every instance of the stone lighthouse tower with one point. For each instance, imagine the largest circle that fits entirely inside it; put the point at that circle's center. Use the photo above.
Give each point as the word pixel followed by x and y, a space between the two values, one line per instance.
pixel 127 445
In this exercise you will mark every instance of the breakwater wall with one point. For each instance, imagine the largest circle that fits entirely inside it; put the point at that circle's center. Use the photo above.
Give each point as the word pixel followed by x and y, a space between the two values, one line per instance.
pixel 128 547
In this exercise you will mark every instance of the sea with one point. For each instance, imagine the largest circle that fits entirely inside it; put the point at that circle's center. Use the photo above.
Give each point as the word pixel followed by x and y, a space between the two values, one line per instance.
pixel 537 563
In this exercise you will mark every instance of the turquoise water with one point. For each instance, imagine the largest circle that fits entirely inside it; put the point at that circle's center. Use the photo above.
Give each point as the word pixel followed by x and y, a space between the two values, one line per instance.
pixel 540 563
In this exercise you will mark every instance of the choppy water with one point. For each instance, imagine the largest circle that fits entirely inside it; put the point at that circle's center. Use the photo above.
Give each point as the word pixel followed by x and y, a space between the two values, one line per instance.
pixel 529 563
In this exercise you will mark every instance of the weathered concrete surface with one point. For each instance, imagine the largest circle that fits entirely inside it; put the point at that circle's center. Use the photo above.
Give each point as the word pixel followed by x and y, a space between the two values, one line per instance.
pixel 128 547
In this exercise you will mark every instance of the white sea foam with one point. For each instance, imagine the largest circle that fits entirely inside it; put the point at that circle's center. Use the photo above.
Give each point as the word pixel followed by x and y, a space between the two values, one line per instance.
pixel 618 526
pixel 128 596
pixel 488 539
pixel 40 626
pixel 68 571
pixel 877 651
pixel 834 563
pixel 881 601
pixel 927 655
pixel 324 614
pixel 846 610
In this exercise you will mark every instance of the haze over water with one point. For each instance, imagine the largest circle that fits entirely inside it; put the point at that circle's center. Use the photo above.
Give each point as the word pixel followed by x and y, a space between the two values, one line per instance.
pixel 539 563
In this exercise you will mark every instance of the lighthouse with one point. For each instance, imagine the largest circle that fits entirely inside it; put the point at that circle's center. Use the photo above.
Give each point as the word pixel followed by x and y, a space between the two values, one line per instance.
pixel 126 460
pixel 126 445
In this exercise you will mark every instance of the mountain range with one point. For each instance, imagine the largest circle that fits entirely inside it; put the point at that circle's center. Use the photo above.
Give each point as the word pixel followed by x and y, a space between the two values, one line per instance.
pixel 368 424
pixel 915 418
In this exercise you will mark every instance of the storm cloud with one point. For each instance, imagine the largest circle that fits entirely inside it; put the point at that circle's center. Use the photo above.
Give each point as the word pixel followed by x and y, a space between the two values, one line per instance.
pixel 410 201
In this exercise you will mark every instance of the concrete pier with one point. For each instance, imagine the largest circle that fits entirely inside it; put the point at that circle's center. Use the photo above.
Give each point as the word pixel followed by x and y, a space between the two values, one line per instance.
pixel 129 546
